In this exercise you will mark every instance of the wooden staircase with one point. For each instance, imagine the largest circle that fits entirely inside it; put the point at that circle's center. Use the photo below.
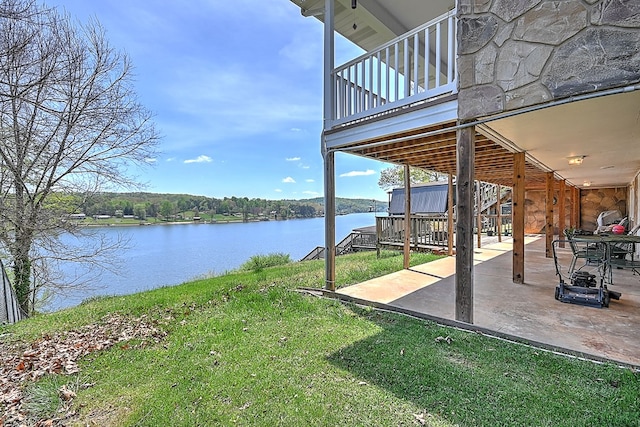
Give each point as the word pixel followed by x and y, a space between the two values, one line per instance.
pixel 354 242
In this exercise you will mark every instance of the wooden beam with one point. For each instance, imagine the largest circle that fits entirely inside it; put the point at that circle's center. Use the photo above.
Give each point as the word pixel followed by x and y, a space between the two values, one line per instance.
pixel 450 224
pixel 548 216
pixel 407 216
pixel 518 216
pixel 464 224
pixel 562 191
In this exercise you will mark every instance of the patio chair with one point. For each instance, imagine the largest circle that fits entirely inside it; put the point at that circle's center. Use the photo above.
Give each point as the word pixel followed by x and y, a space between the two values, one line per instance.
pixel 591 253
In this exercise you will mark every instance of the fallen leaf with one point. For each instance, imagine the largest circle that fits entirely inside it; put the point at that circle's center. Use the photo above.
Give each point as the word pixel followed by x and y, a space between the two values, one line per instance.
pixel 66 394
pixel 446 339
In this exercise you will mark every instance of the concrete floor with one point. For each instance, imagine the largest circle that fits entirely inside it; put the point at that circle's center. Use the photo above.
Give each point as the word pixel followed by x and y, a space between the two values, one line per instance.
pixel 526 311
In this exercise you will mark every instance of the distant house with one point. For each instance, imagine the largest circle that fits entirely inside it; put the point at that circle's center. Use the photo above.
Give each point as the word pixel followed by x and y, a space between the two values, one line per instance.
pixel 77 216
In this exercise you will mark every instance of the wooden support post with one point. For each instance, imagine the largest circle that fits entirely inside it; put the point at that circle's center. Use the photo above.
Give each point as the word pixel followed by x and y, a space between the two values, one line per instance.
pixel 464 223
pixel 407 216
pixel 450 224
pixel 518 217
pixel 571 212
pixel 499 212
pixel 576 208
pixel 548 216
pixel 572 204
pixel 561 211
pixel 479 212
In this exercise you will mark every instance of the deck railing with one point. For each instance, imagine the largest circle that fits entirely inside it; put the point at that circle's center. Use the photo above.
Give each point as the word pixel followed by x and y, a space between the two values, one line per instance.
pixel 10 311
pixel 429 231
pixel 352 243
pixel 412 68
pixel 492 228
pixel 426 231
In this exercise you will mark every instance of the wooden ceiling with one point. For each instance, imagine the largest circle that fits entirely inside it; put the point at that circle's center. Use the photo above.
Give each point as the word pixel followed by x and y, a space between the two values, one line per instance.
pixel 437 152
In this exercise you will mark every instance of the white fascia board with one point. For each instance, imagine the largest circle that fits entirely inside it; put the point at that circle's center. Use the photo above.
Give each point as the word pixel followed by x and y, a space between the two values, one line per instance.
pixel 441 113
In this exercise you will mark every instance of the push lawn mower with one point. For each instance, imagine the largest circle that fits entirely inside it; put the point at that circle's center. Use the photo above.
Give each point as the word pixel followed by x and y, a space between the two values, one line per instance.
pixel 584 289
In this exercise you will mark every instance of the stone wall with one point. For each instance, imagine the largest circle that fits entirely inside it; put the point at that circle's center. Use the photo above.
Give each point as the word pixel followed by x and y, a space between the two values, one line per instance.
pixel 518 53
pixel 592 202
pixel 535 213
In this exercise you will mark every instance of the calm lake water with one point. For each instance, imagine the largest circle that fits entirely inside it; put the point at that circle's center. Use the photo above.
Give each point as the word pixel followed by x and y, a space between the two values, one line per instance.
pixel 160 255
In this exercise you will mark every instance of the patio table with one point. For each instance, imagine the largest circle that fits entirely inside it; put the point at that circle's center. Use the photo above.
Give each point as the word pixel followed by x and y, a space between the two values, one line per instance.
pixel 608 242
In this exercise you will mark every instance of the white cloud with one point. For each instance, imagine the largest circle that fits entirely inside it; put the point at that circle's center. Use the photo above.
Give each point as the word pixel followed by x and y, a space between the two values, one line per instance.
pixel 293 159
pixel 151 160
pixel 296 130
pixel 277 190
pixel 309 180
pixel 289 180
pixel 358 173
pixel 311 193
pixel 200 159
pixel 171 159
pixel 304 166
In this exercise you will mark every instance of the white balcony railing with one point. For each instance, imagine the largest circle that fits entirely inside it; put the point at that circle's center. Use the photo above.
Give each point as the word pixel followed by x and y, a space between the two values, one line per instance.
pixel 412 68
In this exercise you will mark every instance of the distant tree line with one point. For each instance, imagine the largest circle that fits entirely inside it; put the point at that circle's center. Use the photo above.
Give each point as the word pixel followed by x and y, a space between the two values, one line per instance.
pixel 166 206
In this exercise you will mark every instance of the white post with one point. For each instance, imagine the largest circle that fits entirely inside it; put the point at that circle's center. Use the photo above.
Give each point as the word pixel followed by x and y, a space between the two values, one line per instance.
pixel 329 156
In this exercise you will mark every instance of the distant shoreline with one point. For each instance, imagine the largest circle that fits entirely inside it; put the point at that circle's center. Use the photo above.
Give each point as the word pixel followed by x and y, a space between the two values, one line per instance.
pixel 142 224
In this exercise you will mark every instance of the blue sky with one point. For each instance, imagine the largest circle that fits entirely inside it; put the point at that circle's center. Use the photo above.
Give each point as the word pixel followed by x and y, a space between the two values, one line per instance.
pixel 236 89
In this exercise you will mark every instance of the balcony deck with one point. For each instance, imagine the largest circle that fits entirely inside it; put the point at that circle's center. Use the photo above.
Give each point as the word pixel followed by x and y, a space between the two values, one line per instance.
pixel 527 313
pixel 398 103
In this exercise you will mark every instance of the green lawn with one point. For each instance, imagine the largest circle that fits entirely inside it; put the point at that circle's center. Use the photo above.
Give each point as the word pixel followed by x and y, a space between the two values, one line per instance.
pixel 247 349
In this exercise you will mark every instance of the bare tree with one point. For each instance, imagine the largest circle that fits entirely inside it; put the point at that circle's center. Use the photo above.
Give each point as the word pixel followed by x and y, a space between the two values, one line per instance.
pixel 70 123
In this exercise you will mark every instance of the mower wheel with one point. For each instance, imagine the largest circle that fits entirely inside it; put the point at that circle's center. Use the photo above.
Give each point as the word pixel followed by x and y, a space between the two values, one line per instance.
pixel 557 296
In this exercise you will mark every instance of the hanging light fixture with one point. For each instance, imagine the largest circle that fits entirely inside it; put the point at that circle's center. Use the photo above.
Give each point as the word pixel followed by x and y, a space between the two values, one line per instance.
pixel 354 4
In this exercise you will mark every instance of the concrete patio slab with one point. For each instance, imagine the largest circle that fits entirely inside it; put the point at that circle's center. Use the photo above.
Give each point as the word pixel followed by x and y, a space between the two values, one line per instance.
pixel 402 282
pixel 528 311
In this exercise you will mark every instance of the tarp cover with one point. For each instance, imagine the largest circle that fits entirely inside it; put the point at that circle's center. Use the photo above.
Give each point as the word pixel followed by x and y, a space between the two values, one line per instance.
pixel 431 198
